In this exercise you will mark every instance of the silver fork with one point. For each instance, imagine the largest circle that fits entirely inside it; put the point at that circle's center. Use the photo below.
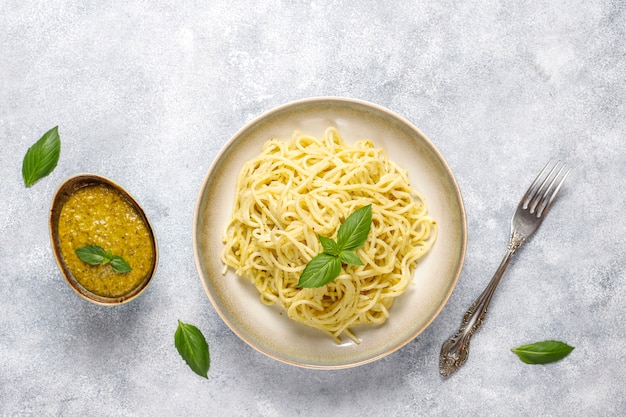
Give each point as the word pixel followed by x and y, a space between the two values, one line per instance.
pixel 531 211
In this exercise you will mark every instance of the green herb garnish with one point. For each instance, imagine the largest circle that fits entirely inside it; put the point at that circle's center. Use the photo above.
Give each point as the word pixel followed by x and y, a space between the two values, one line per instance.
pixel 326 266
pixel 192 346
pixel 95 255
pixel 41 158
pixel 543 352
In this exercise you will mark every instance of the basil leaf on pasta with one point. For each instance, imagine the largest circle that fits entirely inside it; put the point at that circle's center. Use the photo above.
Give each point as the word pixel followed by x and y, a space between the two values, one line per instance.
pixel 350 258
pixel 354 230
pixel 320 270
pixel 329 245
pixel 326 266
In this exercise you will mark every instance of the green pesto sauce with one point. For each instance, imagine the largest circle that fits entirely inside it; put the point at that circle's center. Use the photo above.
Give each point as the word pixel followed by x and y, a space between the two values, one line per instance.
pixel 100 215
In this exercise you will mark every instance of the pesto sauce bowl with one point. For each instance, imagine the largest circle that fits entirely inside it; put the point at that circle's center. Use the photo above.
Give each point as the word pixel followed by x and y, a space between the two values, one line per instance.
pixel 100 212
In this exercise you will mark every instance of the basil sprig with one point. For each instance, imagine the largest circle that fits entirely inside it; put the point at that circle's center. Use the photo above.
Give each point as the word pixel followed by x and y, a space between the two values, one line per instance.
pixel 326 266
pixel 193 348
pixel 543 352
pixel 96 255
pixel 41 158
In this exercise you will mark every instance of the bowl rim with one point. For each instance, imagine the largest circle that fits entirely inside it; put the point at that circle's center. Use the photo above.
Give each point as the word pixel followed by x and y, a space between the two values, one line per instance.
pixel 63 192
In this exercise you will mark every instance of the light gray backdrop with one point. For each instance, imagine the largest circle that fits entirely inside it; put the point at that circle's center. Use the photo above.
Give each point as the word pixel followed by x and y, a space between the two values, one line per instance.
pixel 147 92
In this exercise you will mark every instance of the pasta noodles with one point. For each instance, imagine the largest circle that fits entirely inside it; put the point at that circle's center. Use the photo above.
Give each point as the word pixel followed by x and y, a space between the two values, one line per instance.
pixel 294 191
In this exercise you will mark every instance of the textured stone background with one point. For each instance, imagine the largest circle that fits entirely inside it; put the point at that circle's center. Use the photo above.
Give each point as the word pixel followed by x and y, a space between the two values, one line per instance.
pixel 147 92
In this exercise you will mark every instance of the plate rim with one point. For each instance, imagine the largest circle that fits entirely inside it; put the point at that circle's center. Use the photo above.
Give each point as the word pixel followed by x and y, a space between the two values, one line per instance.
pixel 234 138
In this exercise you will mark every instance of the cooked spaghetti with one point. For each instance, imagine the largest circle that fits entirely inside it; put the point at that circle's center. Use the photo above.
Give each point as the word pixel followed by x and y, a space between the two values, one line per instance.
pixel 294 191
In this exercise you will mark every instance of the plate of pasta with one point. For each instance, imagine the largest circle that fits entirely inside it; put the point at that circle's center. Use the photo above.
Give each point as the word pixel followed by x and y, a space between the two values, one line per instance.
pixel 280 190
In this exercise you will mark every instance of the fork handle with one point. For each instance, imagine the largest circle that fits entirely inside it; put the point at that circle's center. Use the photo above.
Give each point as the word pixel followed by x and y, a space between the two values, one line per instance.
pixel 455 350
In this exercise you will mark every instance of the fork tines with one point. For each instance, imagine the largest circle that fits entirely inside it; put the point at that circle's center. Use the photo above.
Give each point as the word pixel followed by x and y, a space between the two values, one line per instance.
pixel 544 189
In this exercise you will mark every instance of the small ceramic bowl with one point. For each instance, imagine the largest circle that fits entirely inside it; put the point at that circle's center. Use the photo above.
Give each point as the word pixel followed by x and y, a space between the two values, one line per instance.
pixel 140 280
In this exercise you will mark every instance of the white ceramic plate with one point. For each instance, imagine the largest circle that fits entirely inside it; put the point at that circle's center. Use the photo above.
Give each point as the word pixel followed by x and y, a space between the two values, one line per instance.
pixel 268 329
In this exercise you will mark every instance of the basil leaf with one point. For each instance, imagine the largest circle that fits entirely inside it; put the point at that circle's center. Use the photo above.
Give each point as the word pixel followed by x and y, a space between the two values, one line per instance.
pixel 350 258
pixel 119 264
pixel 543 352
pixel 193 348
pixel 354 230
pixel 108 256
pixel 92 254
pixel 320 270
pixel 41 158
pixel 329 245
pixel 95 255
pixel 326 266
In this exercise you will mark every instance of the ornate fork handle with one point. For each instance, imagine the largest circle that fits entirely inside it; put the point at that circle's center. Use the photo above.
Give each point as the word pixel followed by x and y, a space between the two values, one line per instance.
pixel 455 350
pixel 529 214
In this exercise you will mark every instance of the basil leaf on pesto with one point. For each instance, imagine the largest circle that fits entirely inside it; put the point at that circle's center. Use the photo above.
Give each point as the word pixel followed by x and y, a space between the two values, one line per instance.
pixel 92 254
pixel 41 158
pixel 96 255
pixel 119 264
